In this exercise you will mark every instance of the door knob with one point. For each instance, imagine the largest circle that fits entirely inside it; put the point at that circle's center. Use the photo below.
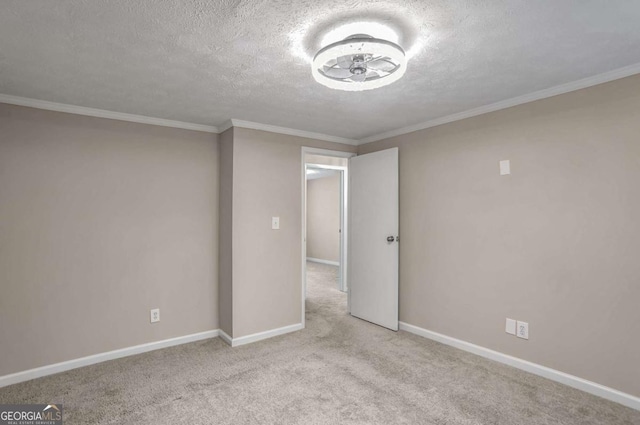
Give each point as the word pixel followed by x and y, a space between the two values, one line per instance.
pixel 390 239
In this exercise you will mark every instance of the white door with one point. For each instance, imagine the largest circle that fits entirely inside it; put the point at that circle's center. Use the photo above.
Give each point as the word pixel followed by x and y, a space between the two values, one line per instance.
pixel 373 237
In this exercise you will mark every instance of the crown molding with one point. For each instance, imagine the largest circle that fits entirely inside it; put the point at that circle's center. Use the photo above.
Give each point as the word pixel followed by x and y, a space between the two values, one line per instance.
pixel 616 74
pixel 225 126
pixel 289 131
pixel 503 104
pixel 101 113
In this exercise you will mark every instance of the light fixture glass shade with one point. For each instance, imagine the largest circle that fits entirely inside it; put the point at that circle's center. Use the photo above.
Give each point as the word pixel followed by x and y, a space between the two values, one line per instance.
pixel 359 62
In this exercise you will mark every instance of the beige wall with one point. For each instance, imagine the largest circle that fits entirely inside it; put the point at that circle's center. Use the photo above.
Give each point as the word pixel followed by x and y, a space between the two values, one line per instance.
pixel 323 218
pixel 100 221
pixel 555 244
pixel 267 182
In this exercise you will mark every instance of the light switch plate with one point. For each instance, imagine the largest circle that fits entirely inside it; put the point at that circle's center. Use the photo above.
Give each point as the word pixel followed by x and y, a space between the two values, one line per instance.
pixel 275 223
pixel 522 330
pixel 505 167
pixel 511 326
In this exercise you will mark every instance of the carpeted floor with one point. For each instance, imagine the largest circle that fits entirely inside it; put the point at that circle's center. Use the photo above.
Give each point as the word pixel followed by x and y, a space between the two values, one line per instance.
pixel 339 370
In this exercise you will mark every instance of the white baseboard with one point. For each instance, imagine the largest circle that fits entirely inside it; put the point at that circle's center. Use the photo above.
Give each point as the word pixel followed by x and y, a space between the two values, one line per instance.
pixel 226 338
pixel 235 342
pixel 546 372
pixel 39 372
pixel 321 261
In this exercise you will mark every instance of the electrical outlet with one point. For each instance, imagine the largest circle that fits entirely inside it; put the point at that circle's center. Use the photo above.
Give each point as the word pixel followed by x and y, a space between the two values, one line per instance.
pixel 523 330
pixel 511 327
pixel 275 223
pixel 155 315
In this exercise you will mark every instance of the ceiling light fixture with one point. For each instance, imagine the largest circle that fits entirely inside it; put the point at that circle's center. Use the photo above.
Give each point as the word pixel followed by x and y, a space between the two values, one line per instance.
pixel 359 62
pixel 374 29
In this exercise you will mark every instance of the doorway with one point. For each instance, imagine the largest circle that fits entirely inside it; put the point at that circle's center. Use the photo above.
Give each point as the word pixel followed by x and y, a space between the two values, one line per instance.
pixel 324 220
pixel 369 274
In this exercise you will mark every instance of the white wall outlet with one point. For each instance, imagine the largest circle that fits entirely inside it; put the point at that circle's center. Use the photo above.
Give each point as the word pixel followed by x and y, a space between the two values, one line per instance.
pixel 511 326
pixel 155 315
pixel 275 223
pixel 505 167
pixel 522 330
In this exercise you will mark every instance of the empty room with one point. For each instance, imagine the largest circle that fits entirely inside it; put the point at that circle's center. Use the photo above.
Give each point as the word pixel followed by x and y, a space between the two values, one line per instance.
pixel 329 212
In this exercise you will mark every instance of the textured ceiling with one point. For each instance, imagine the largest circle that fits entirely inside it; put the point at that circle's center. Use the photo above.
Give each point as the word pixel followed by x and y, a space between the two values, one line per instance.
pixel 205 62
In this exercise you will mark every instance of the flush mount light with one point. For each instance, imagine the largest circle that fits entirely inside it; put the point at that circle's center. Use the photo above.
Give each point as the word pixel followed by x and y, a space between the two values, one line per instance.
pixel 359 62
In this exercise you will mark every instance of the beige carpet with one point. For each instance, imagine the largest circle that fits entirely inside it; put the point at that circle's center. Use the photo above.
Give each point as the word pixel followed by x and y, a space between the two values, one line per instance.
pixel 339 370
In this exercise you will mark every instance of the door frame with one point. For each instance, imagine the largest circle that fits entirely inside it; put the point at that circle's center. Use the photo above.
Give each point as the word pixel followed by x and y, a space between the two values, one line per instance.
pixel 344 219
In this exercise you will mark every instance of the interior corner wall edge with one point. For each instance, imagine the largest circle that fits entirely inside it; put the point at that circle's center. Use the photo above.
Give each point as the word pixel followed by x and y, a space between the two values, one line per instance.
pixel 100 221
pixel 553 244
pixel 225 242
